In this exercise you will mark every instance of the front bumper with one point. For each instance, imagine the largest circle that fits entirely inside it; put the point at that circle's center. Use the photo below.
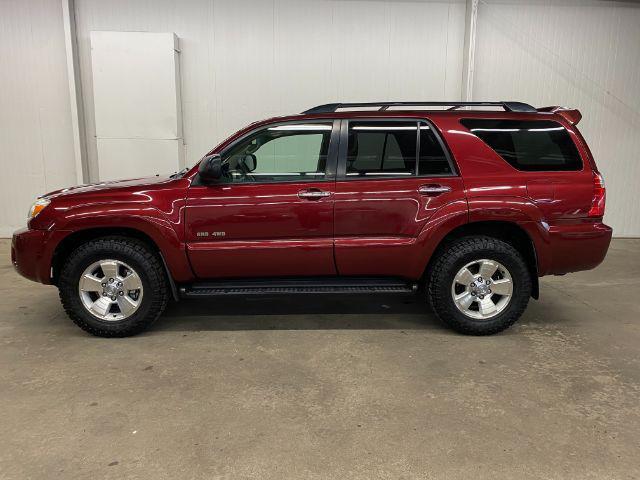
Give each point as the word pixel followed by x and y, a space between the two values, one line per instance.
pixel 31 254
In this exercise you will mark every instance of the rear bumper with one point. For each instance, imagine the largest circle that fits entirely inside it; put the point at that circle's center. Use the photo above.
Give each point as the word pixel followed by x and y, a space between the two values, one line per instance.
pixel 575 247
pixel 31 254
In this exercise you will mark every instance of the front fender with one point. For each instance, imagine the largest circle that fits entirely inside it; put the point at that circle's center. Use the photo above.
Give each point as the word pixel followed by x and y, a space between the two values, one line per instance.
pixel 155 224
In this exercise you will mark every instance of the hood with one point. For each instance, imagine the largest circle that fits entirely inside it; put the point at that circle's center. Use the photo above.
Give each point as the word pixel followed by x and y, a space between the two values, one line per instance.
pixel 111 185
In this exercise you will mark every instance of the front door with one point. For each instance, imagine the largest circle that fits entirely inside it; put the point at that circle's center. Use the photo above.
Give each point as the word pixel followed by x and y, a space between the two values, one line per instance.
pixel 392 177
pixel 272 213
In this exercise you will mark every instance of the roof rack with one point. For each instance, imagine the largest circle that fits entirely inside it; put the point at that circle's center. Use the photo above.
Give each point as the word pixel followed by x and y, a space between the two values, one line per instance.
pixel 508 106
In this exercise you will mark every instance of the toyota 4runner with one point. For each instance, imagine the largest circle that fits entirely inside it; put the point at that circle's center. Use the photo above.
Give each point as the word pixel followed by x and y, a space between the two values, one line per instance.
pixel 466 203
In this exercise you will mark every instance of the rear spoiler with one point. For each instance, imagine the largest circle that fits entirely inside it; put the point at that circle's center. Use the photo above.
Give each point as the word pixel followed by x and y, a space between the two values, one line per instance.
pixel 571 115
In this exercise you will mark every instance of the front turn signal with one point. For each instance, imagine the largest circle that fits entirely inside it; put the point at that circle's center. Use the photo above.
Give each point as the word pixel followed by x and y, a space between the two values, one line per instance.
pixel 37 207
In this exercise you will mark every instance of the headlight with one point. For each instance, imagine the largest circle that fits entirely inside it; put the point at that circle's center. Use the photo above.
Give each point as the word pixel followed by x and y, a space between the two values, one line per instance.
pixel 37 207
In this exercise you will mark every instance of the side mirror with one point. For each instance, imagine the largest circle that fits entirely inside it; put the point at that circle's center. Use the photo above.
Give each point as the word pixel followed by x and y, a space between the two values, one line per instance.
pixel 210 169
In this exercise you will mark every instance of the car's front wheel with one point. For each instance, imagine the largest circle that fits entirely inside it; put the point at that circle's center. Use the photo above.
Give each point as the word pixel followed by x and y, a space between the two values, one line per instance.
pixel 113 287
pixel 479 285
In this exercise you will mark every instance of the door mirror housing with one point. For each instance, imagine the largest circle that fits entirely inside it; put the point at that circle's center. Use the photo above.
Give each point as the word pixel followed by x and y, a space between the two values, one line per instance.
pixel 210 169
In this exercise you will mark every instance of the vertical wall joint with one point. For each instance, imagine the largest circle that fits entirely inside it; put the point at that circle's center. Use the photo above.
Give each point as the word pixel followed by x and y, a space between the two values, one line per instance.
pixel 75 89
pixel 470 24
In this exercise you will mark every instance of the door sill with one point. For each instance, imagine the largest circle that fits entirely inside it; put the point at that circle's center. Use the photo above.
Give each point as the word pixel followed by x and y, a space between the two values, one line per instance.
pixel 305 285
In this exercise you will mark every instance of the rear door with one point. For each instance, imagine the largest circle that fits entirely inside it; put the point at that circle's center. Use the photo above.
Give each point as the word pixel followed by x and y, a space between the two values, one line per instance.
pixel 393 175
pixel 272 214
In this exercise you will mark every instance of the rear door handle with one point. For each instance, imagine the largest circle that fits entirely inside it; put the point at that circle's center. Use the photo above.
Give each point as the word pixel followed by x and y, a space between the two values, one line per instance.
pixel 313 194
pixel 433 190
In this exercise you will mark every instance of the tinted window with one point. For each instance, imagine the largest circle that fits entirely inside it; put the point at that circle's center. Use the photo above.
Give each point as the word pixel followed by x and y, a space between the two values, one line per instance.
pixel 533 145
pixel 432 159
pixel 293 152
pixel 382 148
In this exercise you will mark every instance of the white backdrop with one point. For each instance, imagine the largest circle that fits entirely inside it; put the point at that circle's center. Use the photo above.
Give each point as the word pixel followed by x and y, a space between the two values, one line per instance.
pixel 243 60
pixel 36 140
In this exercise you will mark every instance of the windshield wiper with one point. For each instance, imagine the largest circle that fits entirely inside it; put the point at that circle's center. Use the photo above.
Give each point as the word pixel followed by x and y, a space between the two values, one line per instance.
pixel 180 173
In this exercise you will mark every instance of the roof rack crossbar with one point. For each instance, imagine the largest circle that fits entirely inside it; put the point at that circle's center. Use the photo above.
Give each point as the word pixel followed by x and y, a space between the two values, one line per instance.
pixel 508 106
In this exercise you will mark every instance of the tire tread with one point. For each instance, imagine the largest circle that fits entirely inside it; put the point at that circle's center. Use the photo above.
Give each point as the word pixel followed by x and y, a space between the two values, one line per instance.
pixel 127 247
pixel 446 259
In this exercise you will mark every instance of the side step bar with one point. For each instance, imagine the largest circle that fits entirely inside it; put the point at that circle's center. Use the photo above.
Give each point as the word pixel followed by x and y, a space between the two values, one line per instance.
pixel 298 286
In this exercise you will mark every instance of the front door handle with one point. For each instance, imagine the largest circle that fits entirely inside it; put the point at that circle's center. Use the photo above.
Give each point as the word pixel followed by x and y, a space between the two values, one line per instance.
pixel 433 190
pixel 313 194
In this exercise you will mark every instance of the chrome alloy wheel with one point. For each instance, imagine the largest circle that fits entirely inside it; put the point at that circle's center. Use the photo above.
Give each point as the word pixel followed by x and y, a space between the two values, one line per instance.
pixel 482 289
pixel 110 290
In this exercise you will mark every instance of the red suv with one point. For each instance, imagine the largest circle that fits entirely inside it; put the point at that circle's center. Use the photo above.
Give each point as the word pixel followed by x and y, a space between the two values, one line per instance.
pixel 467 202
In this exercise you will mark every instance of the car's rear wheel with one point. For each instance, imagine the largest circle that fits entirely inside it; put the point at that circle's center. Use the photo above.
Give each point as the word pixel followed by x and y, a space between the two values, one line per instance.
pixel 479 285
pixel 113 287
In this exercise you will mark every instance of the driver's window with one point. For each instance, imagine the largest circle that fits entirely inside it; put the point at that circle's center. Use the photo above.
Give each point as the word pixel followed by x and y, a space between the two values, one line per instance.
pixel 292 152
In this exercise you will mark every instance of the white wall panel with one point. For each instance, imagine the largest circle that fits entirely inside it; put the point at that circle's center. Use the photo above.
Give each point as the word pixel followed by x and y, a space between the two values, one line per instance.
pixel 153 157
pixel 137 105
pixel 135 92
pixel 36 140
pixel 244 60
pixel 584 54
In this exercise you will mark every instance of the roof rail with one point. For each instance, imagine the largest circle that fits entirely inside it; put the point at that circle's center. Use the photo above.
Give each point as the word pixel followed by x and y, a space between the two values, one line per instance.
pixel 508 106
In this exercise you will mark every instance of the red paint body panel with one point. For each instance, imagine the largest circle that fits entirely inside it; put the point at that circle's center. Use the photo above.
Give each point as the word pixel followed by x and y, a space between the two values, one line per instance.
pixel 269 230
pixel 579 246
pixel 153 206
pixel 377 223
pixel 28 254
pixel 365 227
pixel 399 256
pixel 263 258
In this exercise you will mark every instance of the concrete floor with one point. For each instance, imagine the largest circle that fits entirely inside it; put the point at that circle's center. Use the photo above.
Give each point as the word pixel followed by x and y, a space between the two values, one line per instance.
pixel 319 388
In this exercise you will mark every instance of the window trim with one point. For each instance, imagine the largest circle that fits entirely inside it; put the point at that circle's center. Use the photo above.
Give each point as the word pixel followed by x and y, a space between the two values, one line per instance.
pixel 332 153
pixel 341 173
pixel 523 170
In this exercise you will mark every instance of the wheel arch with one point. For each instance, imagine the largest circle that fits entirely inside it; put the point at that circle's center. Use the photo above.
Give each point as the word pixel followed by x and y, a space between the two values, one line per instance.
pixel 69 243
pixel 509 232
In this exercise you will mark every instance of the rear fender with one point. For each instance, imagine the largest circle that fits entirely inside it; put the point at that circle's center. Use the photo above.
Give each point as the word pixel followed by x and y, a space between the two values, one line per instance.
pixel 439 225
pixel 521 212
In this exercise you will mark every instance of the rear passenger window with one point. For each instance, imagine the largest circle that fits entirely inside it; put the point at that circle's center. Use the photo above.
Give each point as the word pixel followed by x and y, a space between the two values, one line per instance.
pixel 530 145
pixel 382 148
pixel 391 149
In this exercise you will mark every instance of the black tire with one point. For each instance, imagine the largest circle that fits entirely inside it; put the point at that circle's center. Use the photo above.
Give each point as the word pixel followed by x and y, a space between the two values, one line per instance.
pixel 134 253
pixel 455 256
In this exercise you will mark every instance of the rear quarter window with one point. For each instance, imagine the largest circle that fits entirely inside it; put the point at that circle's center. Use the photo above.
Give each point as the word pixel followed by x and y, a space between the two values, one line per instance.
pixel 529 145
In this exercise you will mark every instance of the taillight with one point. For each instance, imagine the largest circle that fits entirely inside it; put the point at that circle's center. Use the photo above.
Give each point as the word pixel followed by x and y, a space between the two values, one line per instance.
pixel 599 196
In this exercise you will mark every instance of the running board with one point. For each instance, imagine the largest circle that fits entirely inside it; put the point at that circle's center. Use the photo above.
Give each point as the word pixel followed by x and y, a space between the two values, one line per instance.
pixel 298 286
